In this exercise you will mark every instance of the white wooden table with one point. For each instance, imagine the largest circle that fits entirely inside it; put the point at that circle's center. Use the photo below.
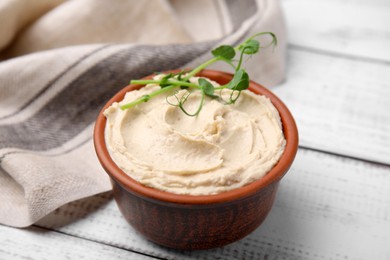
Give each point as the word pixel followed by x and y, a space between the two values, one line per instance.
pixel 335 201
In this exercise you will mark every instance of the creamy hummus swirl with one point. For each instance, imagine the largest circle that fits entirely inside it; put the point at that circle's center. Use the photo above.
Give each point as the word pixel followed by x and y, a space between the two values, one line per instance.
pixel 223 148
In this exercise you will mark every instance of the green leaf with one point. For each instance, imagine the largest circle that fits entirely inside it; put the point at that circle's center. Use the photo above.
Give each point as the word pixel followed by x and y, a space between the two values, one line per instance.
pixel 240 81
pixel 250 47
pixel 207 87
pixel 224 51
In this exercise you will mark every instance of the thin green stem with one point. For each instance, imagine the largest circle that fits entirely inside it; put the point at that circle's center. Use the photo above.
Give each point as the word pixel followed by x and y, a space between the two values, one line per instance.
pixel 145 81
pixel 172 82
pixel 240 61
pixel 221 87
pixel 273 42
pixel 145 98
pixel 185 84
pixel 200 67
pixel 238 83
pixel 197 111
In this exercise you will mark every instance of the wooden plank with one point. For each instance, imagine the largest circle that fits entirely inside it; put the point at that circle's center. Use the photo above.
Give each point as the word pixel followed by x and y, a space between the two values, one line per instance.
pixel 328 207
pixel 358 28
pixel 332 208
pixel 38 243
pixel 340 105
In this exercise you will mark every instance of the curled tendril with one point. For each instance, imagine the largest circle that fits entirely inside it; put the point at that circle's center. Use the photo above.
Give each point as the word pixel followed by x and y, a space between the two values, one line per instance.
pixel 183 99
pixel 224 53
pixel 233 97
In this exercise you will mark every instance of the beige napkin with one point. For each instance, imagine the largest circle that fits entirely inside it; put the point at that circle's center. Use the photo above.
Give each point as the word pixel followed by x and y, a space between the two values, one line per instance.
pixel 62 60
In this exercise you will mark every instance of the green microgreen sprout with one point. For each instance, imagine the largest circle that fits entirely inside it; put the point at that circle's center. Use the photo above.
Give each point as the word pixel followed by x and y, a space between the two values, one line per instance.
pixel 172 82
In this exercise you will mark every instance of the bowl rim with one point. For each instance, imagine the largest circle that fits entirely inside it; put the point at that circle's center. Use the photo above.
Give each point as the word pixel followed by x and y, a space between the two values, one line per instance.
pixel 274 175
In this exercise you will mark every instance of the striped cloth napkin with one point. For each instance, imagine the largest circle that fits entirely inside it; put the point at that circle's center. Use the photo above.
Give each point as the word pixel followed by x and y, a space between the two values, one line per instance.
pixel 62 60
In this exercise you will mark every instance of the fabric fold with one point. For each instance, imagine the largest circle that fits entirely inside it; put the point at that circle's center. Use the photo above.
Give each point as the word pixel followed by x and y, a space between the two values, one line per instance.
pixel 55 77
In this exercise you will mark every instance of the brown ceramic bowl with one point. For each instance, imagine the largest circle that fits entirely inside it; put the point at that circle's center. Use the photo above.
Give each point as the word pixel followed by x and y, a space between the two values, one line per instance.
pixel 197 222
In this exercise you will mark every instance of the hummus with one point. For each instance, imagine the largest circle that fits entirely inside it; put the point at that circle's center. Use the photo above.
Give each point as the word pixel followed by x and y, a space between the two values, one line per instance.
pixel 223 148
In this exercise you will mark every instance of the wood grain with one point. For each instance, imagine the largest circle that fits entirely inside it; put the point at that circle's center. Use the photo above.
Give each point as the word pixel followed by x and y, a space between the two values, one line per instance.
pixel 339 104
pixel 328 207
pixel 38 243
pixel 338 74
pixel 354 28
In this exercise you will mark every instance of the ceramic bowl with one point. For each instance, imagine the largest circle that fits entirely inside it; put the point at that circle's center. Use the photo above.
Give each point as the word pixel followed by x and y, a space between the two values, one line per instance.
pixel 197 222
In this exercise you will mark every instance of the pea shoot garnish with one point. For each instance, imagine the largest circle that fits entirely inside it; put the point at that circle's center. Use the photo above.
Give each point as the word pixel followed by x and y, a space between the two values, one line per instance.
pixel 173 82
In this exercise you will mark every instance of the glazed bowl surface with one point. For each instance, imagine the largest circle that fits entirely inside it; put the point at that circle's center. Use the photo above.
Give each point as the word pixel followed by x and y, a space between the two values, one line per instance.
pixel 197 222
